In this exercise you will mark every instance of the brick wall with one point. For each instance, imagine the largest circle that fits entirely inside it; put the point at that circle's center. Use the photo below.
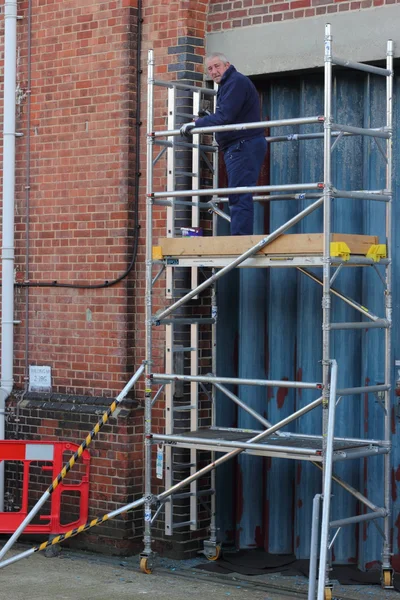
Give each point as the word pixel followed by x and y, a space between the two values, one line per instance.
pixel 78 216
pixel 79 219
pixel 115 463
pixel 176 33
pixel 244 13
pixel 81 227
pixel 81 192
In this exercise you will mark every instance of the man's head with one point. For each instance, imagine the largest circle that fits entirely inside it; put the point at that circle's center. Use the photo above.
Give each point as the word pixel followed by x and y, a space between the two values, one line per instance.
pixel 216 65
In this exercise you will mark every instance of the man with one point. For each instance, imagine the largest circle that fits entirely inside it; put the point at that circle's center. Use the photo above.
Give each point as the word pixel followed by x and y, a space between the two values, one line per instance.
pixel 244 150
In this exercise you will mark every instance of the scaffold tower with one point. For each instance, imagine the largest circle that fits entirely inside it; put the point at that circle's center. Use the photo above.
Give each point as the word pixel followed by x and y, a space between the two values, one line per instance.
pixel 214 257
pixel 187 268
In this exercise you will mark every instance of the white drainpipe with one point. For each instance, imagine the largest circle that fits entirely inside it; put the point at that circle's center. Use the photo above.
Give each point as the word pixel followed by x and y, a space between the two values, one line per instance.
pixel 7 256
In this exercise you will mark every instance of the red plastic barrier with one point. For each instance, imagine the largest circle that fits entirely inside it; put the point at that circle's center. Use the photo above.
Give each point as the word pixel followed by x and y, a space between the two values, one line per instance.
pixel 51 454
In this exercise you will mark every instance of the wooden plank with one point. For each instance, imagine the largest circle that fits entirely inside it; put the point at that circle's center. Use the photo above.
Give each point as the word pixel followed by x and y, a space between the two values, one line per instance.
pixel 293 244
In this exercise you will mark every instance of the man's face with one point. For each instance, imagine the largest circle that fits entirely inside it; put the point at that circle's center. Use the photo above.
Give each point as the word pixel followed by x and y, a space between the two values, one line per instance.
pixel 216 68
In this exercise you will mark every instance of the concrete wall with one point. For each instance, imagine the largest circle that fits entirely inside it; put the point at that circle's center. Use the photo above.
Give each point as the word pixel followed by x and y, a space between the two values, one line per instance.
pixel 299 44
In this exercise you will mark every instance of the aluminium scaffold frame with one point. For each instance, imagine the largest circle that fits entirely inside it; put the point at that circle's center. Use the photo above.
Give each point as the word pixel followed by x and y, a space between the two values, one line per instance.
pixel 321 450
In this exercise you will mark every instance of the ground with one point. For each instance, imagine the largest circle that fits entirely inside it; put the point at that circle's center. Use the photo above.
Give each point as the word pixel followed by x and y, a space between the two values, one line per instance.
pixel 85 576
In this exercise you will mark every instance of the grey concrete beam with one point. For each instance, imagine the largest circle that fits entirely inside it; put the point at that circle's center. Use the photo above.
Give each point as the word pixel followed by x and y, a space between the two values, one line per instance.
pixel 299 44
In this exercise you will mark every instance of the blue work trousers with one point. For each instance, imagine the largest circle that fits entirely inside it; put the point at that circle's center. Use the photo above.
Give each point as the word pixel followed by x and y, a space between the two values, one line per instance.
pixel 243 161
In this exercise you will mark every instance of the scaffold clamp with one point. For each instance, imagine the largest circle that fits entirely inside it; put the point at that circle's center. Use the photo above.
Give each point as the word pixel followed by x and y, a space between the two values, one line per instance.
pixel 340 249
pixel 157 253
pixel 377 251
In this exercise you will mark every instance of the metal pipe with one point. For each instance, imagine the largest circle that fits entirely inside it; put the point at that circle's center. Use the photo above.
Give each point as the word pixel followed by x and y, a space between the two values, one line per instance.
pixel 214 313
pixel 312 574
pixel 28 189
pixel 182 439
pixel 362 452
pixel 148 304
pixel 186 321
pixel 358 519
pixel 244 126
pixel 326 277
pixel 184 495
pixel 214 464
pixel 379 133
pixel 346 486
pixel 319 437
pixel 188 145
pixel 349 301
pixel 235 380
pixel 360 66
pixel 362 389
pixel 327 482
pixel 378 324
pixel 334 538
pixel 182 524
pixel 386 553
pixel 183 86
pixel 243 405
pixel 201 205
pixel 269 238
pixel 358 260
pixel 360 195
pixel 238 190
pixel 159 509
pixel 298 137
pixel 7 257
pixel 219 212
pixel 285 197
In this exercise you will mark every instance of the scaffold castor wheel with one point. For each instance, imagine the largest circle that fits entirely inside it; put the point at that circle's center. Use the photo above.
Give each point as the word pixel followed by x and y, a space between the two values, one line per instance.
pixel 328 594
pixel 387 579
pixel 217 554
pixel 145 566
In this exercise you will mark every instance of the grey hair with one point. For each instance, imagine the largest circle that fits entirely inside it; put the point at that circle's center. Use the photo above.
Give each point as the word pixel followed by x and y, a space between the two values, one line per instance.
pixel 219 55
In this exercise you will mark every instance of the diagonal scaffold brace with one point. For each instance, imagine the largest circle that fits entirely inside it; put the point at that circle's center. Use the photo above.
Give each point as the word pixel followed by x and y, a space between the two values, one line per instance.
pixel 68 466
pixel 164 495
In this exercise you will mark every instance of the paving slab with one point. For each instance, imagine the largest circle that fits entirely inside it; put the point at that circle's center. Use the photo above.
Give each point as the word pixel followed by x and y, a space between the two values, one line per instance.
pixel 77 575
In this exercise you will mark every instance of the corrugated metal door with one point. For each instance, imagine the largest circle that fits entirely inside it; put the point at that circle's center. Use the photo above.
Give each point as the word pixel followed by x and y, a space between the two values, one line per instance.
pixel 274 497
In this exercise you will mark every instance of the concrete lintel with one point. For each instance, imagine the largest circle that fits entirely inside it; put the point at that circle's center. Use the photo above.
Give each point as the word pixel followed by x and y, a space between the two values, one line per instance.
pixel 299 43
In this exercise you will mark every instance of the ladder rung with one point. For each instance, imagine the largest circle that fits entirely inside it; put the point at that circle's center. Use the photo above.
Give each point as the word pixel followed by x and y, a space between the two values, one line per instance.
pixel 187 174
pixel 183 524
pixel 360 66
pixel 197 494
pixel 380 324
pixel 188 349
pixel 379 133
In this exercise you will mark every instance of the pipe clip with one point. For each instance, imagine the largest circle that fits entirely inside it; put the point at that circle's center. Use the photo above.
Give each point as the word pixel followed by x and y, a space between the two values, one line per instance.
pixel 7 253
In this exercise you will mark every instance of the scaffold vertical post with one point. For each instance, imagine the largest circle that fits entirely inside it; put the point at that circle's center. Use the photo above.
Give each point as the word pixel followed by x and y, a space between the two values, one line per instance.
pixel 387 574
pixel 149 306
pixel 171 182
pixel 326 297
pixel 214 315
pixel 323 579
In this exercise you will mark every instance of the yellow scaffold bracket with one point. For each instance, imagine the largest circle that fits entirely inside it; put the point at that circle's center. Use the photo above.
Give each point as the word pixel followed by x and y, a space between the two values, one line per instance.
pixel 157 253
pixel 376 252
pixel 340 249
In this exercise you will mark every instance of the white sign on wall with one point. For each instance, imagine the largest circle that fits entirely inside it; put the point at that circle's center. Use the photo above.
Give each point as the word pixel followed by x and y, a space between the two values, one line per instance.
pixel 39 379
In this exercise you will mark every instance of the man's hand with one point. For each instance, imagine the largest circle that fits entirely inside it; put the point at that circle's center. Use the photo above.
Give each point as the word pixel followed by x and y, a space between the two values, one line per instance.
pixel 186 129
